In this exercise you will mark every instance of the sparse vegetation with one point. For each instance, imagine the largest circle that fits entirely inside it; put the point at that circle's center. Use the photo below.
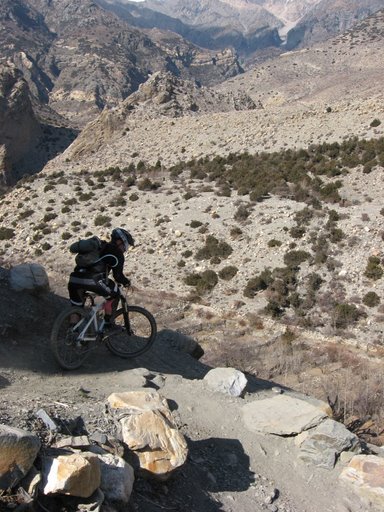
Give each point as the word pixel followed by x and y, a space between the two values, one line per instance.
pixel 371 299
pixel 214 248
pixel 102 220
pixel 374 270
pixel 344 315
pixel 227 273
pixel 203 282
pixel 6 233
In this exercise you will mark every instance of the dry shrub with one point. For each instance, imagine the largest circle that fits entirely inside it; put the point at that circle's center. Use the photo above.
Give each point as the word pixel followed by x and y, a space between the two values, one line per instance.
pixel 255 321
pixel 356 393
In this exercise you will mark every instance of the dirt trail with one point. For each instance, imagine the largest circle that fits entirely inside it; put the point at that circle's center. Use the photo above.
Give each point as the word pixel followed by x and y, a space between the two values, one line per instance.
pixel 229 468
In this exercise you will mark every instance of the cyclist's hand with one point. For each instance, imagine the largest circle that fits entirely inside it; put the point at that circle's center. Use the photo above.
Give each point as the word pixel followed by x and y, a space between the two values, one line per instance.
pixel 127 284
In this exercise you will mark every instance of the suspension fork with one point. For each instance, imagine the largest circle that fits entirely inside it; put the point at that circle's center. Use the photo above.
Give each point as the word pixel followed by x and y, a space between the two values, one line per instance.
pixel 125 315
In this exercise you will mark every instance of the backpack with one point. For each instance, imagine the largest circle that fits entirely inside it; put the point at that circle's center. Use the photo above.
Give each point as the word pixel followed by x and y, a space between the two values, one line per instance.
pixel 88 252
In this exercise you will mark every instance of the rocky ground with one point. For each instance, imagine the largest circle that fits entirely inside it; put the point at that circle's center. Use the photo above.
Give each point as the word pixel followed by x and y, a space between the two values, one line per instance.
pixel 229 467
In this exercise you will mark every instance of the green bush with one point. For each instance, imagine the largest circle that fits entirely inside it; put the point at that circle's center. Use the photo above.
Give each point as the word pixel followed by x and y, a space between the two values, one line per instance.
pixel 25 214
pixel 274 243
pixel 314 282
pixel 6 233
pixel 46 246
pixel 345 315
pixel 236 232
pixel 297 232
pixel 49 216
pixel 227 273
pixel 102 220
pixel 373 270
pixel 133 197
pixel 295 258
pixel 375 122
pixel 188 195
pixel 203 282
pixel 195 224
pixel 85 196
pixel 147 184
pixel 70 201
pixel 371 299
pixel 273 309
pixel 214 248
pixel 242 213
pixel 258 283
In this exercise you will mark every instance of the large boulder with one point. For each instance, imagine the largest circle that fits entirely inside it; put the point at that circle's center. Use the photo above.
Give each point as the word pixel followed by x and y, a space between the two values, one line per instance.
pixel 148 428
pixel 282 415
pixel 18 451
pixel 325 443
pixel 226 380
pixel 77 474
pixel 30 277
pixel 365 475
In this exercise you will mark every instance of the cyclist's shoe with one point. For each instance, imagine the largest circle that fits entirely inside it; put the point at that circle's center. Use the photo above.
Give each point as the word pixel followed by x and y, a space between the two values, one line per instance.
pixel 111 327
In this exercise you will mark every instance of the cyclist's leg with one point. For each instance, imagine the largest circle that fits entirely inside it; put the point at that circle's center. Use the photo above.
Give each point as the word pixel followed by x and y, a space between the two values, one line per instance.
pixel 76 297
pixel 112 301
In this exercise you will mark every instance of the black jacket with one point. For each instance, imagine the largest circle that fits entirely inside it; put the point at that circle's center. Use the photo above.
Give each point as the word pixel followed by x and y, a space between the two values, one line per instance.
pixel 110 259
pixel 113 260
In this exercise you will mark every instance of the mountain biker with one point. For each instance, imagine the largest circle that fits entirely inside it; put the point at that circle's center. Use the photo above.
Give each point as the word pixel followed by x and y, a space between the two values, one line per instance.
pixel 94 278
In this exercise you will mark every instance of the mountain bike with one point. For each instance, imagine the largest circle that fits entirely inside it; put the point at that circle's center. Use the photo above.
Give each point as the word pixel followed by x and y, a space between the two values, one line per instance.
pixel 133 333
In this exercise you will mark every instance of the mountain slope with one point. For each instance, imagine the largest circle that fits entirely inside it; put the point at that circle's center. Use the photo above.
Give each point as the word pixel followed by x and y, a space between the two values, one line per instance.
pixel 79 58
pixel 245 26
pixel 295 90
pixel 329 18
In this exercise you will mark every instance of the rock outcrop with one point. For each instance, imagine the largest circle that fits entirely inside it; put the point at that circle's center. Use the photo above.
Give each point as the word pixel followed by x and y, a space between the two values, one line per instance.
pixel 19 128
pixel 148 429
pixel 162 95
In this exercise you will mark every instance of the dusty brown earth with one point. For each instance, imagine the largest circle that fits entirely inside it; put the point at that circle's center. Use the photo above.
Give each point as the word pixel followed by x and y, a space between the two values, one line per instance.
pixel 228 469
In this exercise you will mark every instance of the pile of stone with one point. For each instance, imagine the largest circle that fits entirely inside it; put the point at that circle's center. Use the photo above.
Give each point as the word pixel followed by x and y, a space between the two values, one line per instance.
pixel 96 471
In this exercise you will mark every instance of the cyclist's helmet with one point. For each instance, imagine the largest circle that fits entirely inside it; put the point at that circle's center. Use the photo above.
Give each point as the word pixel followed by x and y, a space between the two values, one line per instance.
pixel 123 235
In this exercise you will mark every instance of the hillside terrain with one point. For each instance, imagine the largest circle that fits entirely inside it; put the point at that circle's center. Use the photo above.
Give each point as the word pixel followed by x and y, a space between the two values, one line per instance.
pixel 230 467
pixel 256 206
pixel 82 58
pixel 77 60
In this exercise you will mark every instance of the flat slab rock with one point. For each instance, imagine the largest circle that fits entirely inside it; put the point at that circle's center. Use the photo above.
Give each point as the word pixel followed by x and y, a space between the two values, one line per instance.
pixel 282 415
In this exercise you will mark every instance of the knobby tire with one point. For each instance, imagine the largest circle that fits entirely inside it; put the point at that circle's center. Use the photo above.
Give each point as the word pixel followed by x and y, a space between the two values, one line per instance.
pixel 133 339
pixel 63 341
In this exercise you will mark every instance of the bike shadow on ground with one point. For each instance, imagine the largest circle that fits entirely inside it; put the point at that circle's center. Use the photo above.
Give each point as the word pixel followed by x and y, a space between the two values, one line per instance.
pixel 172 353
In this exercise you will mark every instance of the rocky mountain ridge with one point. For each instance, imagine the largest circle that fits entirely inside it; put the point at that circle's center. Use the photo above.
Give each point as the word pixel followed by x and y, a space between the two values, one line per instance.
pixel 80 58
pixel 247 26
pixel 76 60
pixel 318 95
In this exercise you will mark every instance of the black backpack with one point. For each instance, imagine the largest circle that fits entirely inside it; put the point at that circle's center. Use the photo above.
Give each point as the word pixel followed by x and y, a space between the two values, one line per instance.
pixel 88 253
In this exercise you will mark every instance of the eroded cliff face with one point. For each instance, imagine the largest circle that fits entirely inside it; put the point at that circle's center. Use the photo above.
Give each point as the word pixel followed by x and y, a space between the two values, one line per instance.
pixel 329 18
pixel 19 128
pixel 78 58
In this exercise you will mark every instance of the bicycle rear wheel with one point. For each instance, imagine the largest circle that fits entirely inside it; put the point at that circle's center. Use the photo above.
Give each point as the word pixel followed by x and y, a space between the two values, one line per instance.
pixel 134 337
pixel 68 352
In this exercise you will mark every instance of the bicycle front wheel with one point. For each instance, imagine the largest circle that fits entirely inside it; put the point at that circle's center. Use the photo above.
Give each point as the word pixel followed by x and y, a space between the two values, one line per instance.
pixel 68 351
pixel 134 332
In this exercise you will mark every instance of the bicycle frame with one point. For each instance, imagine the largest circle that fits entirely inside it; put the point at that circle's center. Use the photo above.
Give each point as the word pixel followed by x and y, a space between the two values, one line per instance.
pixel 98 327
pixel 92 320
